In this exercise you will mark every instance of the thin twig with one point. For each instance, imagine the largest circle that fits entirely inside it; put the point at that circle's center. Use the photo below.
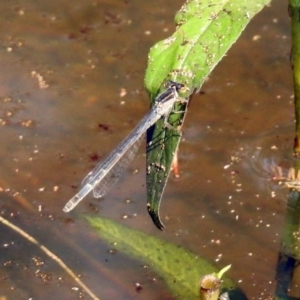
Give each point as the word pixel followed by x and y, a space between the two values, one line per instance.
pixel 51 255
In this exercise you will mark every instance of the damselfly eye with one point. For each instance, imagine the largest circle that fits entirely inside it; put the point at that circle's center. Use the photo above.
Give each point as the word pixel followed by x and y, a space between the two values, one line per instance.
pixel 176 85
pixel 181 88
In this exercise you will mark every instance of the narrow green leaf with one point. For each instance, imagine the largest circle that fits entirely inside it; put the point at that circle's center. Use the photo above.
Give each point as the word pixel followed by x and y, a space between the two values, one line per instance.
pixel 180 269
pixel 223 271
pixel 205 30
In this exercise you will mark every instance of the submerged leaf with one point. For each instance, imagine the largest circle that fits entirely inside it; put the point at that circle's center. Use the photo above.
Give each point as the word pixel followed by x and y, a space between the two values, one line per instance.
pixel 205 30
pixel 180 268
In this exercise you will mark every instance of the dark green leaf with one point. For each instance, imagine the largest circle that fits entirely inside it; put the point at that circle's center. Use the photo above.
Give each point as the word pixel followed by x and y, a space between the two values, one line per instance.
pixel 180 268
pixel 205 30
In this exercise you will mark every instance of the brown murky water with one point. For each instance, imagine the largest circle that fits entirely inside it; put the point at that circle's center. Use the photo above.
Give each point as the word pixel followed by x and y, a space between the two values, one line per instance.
pixel 63 66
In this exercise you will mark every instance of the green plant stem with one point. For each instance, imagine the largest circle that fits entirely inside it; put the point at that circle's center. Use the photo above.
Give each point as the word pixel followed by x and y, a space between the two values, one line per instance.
pixel 294 12
pixel 210 287
pixel 290 241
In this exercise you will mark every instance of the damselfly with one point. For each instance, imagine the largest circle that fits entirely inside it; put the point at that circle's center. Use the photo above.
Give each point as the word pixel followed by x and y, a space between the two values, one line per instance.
pixel 107 172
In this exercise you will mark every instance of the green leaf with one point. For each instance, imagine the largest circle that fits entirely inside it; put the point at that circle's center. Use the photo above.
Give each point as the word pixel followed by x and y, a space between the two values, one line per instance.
pixel 205 30
pixel 223 271
pixel 180 269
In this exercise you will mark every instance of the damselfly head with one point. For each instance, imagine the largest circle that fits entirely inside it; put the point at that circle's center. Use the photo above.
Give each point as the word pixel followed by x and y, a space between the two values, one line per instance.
pixel 180 87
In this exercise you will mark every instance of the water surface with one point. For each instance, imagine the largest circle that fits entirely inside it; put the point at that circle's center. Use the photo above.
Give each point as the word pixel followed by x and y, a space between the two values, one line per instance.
pixel 64 67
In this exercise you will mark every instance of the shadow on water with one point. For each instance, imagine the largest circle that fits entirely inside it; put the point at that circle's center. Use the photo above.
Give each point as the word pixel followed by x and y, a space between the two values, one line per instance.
pixel 72 87
pixel 287 276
